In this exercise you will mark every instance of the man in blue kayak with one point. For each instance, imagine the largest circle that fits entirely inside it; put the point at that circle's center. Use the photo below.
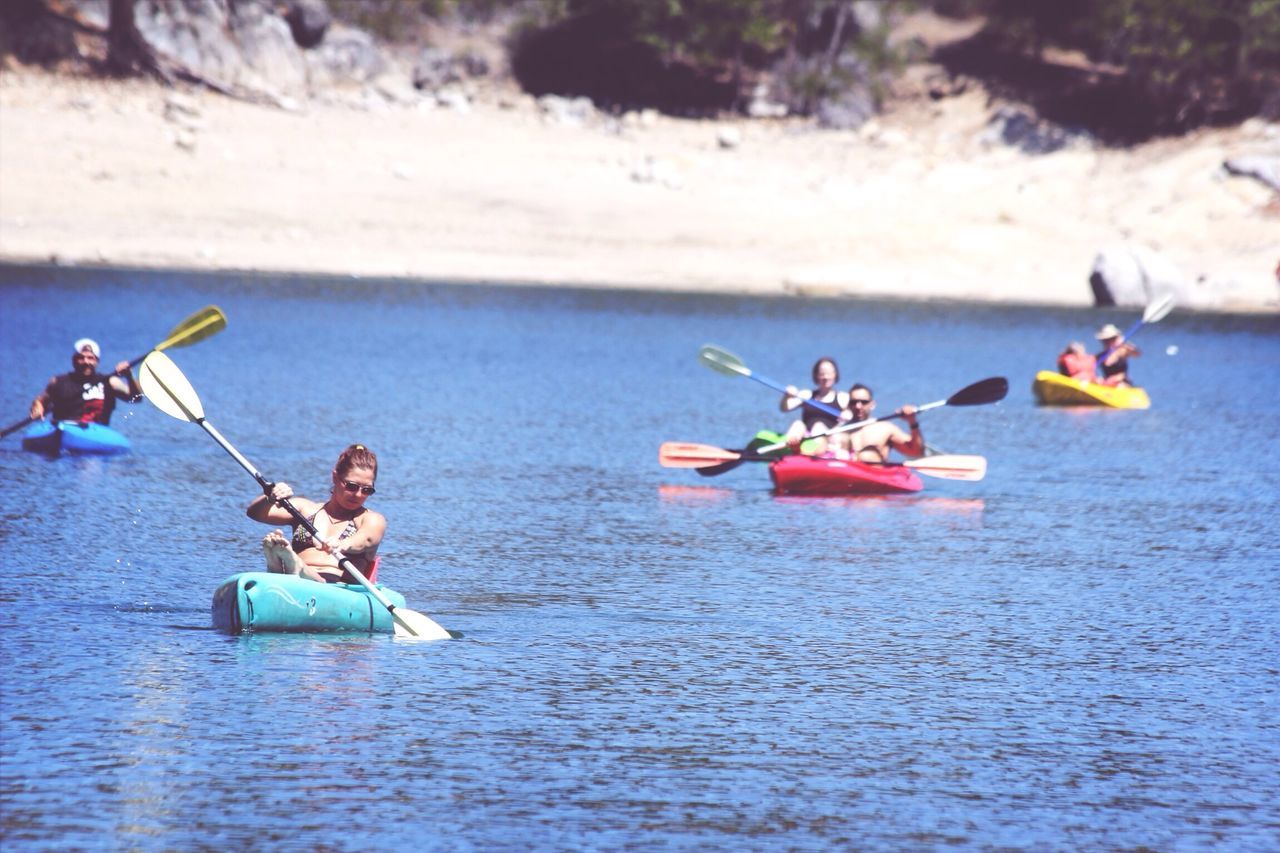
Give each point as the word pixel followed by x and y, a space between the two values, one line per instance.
pixel 84 394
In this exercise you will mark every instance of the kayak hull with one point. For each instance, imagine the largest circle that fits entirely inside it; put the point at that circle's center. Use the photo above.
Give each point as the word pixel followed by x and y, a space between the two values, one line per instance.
pixel 1054 389
pixel 270 602
pixel 820 475
pixel 74 438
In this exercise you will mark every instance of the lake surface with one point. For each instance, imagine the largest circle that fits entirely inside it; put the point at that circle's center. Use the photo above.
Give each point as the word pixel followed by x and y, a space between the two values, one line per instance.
pixel 1080 651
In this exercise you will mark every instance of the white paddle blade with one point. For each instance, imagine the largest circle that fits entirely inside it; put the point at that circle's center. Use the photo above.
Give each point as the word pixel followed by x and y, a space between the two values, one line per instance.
pixel 950 466
pixel 1159 309
pixel 722 361
pixel 411 623
pixel 168 390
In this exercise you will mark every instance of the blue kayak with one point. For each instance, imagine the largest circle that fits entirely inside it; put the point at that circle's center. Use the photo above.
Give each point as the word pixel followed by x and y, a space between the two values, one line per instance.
pixel 266 601
pixel 73 437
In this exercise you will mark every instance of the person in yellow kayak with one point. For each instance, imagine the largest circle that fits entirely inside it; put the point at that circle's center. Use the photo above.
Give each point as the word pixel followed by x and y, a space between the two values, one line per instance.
pixel 814 422
pixel 345 524
pixel 873 443
pixel 84 394
pixel 1076 363
pixel 1113 361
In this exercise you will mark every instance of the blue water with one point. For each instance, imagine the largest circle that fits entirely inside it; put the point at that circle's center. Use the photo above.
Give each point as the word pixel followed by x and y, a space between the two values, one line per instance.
pixel 1080 651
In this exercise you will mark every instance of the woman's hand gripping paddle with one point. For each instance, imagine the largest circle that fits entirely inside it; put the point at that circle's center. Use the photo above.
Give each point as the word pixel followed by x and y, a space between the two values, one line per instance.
pixel 979 393
pixel 166 387
pixel 206 322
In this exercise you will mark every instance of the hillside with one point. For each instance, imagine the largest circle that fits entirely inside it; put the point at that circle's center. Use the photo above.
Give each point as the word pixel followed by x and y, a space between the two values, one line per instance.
pixel 927 201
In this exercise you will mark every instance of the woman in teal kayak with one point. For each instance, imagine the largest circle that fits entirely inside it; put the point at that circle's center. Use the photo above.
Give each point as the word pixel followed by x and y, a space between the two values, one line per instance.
pixel 345 524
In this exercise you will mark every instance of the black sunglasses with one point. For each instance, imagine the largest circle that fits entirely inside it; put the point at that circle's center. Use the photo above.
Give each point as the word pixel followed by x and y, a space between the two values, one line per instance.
pixel 356 487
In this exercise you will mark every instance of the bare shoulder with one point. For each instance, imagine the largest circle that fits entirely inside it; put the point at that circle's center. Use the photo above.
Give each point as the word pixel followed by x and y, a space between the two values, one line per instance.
pixel 306 506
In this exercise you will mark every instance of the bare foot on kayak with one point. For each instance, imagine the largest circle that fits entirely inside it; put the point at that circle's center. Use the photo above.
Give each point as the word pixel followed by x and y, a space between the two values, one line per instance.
pixel 280 556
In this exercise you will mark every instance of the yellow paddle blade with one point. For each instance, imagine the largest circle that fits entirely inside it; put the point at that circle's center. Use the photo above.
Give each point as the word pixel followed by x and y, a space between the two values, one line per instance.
pixel 411 623
pixel 168 390
pixel 206 322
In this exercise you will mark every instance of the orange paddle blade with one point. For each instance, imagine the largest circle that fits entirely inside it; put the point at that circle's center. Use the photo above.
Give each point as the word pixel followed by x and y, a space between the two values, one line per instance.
pixel 683 454
pixel 950 466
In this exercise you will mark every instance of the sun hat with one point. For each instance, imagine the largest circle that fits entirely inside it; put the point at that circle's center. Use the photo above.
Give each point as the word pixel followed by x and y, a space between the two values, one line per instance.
pixel 79 346
pixel 1107 331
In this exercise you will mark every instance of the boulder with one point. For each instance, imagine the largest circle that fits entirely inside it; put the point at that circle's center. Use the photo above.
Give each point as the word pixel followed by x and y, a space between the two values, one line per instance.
pixel 1019 128
pixel 1264 168
pixel 308 20
pixel 1131 276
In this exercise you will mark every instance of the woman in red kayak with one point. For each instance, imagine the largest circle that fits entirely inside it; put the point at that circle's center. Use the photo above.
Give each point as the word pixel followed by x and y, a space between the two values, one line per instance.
pixel 813 421
pixel 345 524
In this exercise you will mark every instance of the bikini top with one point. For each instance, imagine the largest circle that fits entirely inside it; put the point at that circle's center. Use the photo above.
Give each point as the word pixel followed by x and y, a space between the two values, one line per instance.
pixel 812 415
pixel 302 540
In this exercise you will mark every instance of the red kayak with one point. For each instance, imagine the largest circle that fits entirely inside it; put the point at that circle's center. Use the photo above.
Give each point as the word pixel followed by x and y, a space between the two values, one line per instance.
pixel 822 475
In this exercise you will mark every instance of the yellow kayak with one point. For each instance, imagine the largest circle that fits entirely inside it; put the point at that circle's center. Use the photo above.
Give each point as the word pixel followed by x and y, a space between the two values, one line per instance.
pixel 1054 389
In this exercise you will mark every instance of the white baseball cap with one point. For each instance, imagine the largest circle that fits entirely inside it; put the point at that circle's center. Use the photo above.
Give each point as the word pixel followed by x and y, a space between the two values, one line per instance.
pixel 80 345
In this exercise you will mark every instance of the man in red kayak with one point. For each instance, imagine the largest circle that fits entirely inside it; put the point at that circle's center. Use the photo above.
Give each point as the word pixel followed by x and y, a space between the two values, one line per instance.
pixel 1113 361
pixel 873 443
pixel 84 394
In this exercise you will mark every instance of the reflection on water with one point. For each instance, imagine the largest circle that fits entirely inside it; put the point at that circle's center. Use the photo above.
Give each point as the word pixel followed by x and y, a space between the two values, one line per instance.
pixel 1063 654
pixel 673 494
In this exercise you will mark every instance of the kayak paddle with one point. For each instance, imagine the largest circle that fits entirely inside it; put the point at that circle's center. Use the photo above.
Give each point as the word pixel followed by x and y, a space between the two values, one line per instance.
pixel 722 361
pixel 948 466
pixel 206 322
pixel 171 393
pixel 1156 311
pixel 979 393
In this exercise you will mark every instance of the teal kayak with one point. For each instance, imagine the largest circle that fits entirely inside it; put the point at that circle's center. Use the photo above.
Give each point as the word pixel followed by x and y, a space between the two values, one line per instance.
pixel 266 601
pixel 73 437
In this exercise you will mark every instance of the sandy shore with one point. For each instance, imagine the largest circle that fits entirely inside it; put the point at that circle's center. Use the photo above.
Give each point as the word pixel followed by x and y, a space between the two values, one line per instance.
pixel 913 206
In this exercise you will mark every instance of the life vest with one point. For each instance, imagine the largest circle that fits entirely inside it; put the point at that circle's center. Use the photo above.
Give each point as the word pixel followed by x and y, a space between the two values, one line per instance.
pixel 88 399
pixel 1079 367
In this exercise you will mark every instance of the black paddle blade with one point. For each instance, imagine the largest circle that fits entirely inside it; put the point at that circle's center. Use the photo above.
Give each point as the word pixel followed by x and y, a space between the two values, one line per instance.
pixel 715 470
pixel 985 391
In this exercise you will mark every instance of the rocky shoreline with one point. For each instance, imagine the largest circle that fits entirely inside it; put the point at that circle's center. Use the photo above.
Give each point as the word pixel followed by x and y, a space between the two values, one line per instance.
pixel 931 200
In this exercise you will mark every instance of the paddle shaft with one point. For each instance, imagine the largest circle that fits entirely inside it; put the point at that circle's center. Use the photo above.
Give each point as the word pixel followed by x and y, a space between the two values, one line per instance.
pixel 825 408
pixel 856 425
pixel 945 466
